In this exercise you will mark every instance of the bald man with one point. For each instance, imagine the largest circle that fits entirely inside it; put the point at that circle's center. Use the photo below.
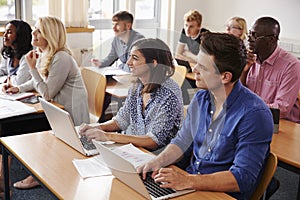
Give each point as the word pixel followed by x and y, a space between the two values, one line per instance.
pixel 271 72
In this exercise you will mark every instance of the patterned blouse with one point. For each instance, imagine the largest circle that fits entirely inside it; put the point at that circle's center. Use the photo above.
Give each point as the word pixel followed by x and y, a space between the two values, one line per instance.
pixel 162 116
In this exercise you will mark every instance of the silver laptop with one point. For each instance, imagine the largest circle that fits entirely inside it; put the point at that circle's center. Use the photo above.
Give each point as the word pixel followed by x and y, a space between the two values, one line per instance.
pixel 63 128
pixel 125 172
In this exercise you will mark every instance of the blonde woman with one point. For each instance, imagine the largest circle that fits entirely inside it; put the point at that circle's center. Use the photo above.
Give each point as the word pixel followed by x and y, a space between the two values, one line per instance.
pixel 55 75
pixel 237 26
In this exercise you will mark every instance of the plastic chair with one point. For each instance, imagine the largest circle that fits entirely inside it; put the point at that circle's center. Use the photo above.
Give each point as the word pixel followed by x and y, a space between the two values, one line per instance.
pixel 268 173
pixel 179 74
pixel 95 84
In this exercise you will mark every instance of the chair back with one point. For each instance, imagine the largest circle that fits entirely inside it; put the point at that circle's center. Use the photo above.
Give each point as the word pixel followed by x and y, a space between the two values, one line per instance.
pixel 95 84
pixel 179 74
pixel 267 175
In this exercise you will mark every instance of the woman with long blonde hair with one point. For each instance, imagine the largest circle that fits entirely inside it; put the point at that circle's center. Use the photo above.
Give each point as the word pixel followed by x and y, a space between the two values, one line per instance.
pixel 55 75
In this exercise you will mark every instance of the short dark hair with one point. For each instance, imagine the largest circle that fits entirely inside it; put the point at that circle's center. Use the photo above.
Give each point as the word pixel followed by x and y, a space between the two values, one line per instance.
pixel 229 52
pixel 22 43
pixel 123 16
pixel 156 49
pixel 270 24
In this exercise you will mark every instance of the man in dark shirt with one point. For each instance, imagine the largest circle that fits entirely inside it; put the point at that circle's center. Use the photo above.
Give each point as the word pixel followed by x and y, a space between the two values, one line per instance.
pixel 190 38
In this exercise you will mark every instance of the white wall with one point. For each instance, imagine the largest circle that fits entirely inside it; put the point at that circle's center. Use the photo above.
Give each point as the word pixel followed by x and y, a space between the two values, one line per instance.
pixel 216 12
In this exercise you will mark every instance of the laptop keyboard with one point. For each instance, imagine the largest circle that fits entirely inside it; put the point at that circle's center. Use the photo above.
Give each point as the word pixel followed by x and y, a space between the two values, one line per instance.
pixel 87 145
pixel 154 188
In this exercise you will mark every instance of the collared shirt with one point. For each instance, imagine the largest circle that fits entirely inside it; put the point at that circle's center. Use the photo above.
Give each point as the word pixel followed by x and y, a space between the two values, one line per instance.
pixel 162 116
pixel 277 82
pixel 120 50
pixel 238 140
pixel 193 44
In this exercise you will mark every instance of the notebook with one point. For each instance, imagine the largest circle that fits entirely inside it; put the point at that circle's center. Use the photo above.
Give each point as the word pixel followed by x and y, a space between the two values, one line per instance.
pixel 184 63
pixel 16 96
pixel 63 128
pixel 126 172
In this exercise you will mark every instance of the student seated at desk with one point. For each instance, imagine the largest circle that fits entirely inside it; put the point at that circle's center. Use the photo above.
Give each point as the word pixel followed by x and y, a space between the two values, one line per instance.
pixel 190 38
pixel 188 46
pixel 153 110
pixel 16 43
pixel 271 72
pixel 55 75
pixel 125 36
pixel 227 132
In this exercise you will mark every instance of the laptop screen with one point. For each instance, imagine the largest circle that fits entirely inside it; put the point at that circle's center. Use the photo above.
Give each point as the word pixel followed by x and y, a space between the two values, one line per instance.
pixel 184 63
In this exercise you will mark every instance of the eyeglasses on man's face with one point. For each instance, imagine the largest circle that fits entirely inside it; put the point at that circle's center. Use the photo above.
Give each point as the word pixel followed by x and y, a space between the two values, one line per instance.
pixel 253 36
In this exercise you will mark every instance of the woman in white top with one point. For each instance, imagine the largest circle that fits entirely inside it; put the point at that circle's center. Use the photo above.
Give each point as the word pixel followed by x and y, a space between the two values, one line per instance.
pixel 16 44
pixel 55 75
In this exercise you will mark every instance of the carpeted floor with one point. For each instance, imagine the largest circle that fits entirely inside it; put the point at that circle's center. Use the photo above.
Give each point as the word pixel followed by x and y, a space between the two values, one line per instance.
pixel 287 191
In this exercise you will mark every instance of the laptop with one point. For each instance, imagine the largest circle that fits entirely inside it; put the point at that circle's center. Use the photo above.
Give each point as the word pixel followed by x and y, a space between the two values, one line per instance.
pixel 184 63
pixel 63 128
pixel 126 172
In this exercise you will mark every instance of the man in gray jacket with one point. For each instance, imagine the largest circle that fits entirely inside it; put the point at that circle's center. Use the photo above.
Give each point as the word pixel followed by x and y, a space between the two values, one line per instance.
pixel 124 37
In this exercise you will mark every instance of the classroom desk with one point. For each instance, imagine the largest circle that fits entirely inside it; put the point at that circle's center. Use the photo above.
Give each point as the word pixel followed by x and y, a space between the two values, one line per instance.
pixel 27 123
pixel 190 75
pixel 117 90
pixel 57 174
pixel 286 145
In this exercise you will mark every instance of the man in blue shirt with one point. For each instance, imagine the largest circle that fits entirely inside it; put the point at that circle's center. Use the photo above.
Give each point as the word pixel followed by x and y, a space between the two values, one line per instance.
pixel 227 130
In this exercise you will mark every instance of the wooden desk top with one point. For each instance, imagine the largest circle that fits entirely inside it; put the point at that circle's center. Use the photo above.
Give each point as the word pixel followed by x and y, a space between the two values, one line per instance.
pixel 50 160
pixel 286 143
pixel 190 75
pixel 39 108
pixel 117 89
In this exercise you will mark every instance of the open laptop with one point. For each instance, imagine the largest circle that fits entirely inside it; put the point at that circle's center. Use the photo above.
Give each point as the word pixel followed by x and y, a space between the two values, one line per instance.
pixel 184 63
pixel 63 128
pixel 125 172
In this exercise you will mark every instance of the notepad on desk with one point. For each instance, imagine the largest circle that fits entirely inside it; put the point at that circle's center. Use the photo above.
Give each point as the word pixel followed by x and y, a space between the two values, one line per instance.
pixel 95 166
pixel 109 71
pixel 10 108
pixel 16 96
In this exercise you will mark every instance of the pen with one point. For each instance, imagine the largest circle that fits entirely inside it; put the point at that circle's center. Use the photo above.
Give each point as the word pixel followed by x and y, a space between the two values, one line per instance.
pixel 8 84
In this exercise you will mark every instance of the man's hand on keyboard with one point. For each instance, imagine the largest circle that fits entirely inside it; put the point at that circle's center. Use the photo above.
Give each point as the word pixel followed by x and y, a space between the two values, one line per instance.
pixel 172 178
pixel 151 166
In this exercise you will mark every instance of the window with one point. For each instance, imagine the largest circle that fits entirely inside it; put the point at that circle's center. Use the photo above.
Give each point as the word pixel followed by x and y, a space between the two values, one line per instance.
pixel 146 20
pixel 7 10
pixel 28 10
pixel 145 12
pixel 39 8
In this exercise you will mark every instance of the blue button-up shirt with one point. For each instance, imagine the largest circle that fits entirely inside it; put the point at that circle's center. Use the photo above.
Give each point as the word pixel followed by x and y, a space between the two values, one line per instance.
pixel 238 140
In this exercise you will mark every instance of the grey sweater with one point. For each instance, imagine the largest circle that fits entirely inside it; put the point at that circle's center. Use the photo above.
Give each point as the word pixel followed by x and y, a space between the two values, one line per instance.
pixel 64 85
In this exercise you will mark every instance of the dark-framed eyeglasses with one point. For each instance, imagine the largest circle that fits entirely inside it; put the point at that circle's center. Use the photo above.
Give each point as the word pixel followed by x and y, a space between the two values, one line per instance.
pixel 253 36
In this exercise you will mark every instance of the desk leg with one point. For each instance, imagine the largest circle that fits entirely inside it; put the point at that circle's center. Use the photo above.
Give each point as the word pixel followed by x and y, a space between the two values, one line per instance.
pixel 6 173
